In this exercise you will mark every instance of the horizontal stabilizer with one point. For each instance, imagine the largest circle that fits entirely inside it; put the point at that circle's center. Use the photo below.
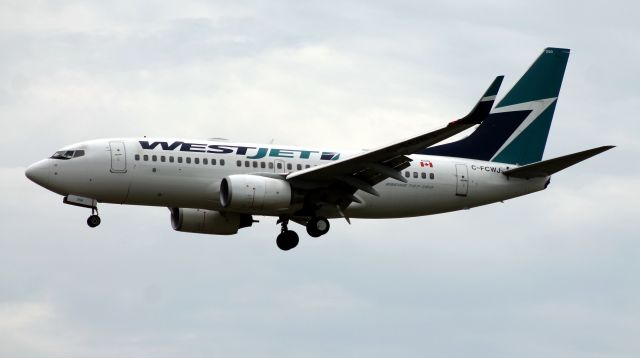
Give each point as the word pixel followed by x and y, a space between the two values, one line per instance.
pixel 547 167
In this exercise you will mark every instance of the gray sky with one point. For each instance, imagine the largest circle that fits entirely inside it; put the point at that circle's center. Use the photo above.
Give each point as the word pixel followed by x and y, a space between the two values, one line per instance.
pixel 554 274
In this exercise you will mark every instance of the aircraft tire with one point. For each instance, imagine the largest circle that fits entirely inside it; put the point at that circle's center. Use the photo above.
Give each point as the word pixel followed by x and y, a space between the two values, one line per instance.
pixel 287 240
pixel 93 221
pixel 318 226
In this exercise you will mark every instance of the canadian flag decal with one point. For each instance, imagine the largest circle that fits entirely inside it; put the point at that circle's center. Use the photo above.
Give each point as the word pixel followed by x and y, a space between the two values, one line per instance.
pixel 426 163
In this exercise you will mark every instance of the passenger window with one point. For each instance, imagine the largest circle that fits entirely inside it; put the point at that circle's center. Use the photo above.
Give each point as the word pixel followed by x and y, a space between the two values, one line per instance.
pixel 247 164
pixel 196 160
pixel 239 162
pixel 145 157
pixel 188 160
pixel 163 158
pixel 279 165
pixel 179 159
pixel 221 161
pixel 299 166
pixel 255 164
pixel 171 159
pixel 307 166
pixel 213 162
pixel 423 175
pixel 262 165
pixel 406 174
pixel 289 166
pixel 205 161
pixel 431 176
pixel 154 158
pixel 137 156
pixel 415 174
pixel 270 165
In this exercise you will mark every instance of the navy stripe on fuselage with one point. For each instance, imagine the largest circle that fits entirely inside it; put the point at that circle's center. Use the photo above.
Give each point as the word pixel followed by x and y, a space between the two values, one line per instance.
pixel 485 141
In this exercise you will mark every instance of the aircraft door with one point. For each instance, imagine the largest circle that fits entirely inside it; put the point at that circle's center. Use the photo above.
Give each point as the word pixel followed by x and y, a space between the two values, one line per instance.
pixel 462 182
pixel 118 157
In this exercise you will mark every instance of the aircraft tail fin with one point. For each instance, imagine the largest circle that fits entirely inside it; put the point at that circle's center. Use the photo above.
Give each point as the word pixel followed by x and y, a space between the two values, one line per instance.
pixel 547 167
pixel 516 130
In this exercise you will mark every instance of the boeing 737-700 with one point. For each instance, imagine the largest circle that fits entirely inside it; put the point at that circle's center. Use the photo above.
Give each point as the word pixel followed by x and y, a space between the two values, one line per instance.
pixel 217 187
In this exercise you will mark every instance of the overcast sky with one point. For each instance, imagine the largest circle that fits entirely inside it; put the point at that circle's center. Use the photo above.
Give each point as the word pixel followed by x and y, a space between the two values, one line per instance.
pixel 553 274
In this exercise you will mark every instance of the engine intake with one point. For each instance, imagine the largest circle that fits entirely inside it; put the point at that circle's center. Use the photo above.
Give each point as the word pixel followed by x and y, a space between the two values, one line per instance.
pixel 245 192
pixel 208 221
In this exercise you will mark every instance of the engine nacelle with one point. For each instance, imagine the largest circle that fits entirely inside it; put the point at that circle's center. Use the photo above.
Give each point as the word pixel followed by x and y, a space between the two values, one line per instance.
pixel 208 221
pixel 246 192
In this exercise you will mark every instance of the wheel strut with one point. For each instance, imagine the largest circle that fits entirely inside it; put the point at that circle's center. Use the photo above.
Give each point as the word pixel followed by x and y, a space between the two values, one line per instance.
pixel 284 222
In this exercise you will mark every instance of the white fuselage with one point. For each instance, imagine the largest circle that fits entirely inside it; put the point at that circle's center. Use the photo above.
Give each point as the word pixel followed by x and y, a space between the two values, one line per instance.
pixel 187 174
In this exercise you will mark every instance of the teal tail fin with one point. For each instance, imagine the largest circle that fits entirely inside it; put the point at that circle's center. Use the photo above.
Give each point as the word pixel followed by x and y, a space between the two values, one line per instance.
pixel 516 131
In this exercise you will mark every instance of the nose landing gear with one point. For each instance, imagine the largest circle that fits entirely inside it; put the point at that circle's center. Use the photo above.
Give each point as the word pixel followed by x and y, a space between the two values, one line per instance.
pixel 94 219
pixel 81 201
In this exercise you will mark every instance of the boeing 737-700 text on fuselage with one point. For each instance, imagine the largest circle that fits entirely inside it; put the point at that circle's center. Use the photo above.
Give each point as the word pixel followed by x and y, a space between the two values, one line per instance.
pixel 217 187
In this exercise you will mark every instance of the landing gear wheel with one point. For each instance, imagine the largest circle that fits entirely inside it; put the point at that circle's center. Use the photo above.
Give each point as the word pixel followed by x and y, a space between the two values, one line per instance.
pixel 317 227
pixel 93 221
pixel 287 240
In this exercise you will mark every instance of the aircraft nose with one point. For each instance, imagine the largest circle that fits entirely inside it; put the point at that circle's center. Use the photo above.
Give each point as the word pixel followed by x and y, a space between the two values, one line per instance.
pixel 38 172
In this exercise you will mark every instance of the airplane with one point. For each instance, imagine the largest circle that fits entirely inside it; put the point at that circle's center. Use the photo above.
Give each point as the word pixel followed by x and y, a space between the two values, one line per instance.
pixel 217 187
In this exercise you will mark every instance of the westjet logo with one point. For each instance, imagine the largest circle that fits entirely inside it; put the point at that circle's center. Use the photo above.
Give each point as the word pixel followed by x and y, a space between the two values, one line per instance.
pixel 249 152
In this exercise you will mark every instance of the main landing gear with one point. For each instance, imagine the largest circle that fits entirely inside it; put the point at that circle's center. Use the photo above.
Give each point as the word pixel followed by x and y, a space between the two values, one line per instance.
pixel 94 219
pixel 317 227
pixel 288 239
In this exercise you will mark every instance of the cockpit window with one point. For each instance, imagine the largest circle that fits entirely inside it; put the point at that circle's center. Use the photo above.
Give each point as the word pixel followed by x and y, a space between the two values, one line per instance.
pixel 67 154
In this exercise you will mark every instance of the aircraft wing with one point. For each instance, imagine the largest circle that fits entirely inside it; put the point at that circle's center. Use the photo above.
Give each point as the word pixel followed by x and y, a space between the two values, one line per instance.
pixel 366 169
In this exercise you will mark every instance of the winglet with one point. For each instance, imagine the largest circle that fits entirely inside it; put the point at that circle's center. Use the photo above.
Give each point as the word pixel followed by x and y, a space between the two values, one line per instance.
pixel 481 110
pixel 547 167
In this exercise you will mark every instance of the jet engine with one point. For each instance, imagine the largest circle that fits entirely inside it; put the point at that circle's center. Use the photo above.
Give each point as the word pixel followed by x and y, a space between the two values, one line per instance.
pixel 208 221
pixel 246 192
